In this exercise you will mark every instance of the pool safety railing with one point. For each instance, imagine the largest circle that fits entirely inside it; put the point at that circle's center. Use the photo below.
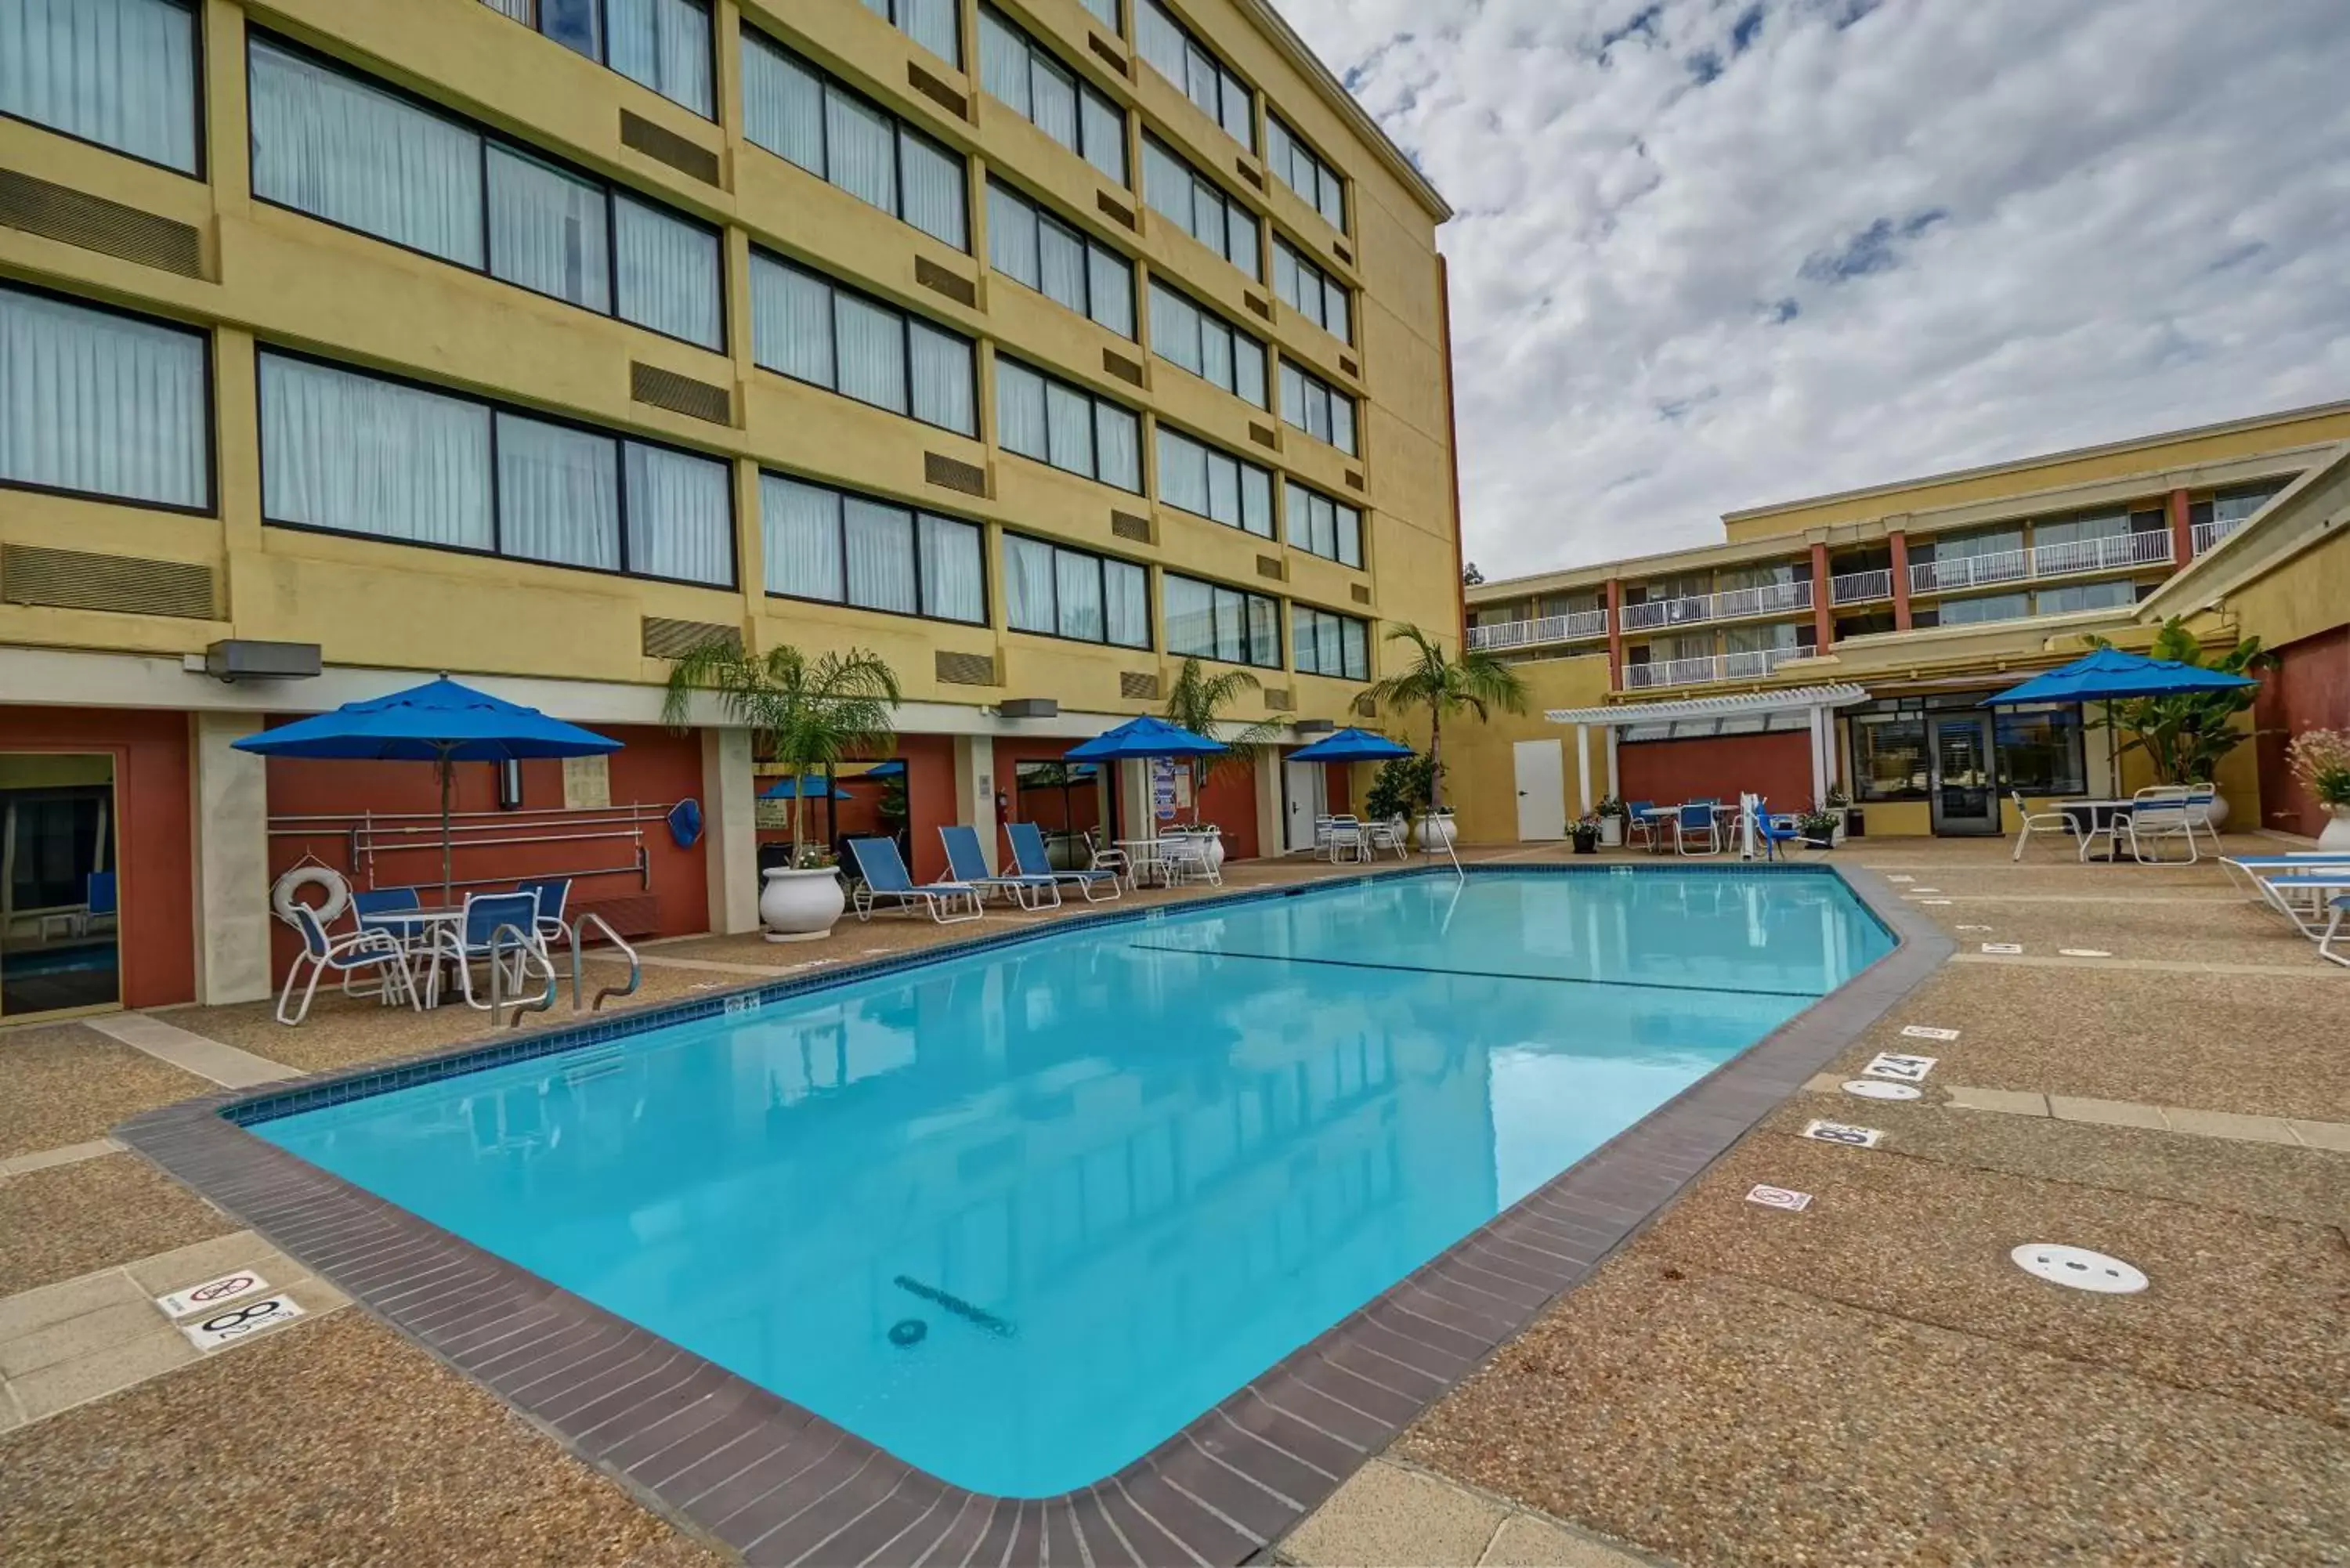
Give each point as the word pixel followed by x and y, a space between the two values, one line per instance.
pixel 524 946
pixel 636 966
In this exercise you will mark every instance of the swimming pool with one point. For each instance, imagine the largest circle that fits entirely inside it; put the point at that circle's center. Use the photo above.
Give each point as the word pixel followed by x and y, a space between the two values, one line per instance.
pixel 1018 1215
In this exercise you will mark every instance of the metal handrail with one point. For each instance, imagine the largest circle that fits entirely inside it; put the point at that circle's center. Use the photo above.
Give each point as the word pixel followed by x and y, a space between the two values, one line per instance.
pixel 578 933
pixel 524 945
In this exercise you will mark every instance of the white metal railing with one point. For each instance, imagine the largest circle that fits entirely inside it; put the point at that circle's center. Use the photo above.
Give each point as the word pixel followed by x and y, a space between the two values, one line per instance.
pixel 1860 587
pixel 1720 667
pixel 1543 629
pixel 1731 604
pixel 2207 535
pixel 2069 559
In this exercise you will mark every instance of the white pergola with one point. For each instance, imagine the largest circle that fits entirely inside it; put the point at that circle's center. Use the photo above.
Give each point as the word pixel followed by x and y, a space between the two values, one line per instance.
pixel 1816 702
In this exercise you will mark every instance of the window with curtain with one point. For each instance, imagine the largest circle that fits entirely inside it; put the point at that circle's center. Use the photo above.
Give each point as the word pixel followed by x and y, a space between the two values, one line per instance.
pixel 2040 749
pixel 2118 593
pixel 120 73
pixel 1311 404
pixel 355 453
pixel 1311 292
pixel 1198 206
pixel 1297 166
pixel 796 111
pixel 1053 422
pixel 1031 246
pixel 1195 477
pixel 869 553
pixel 930 22
pixel 1321 527
pixel 1322 643
pixel 330 144
pixel 1208 620
pixel 1888 754
pixel 664 45
pixel 1017 70
pixel 1197 73
pixel 1987 608
pixel 1058 592
pixel 2083 526
pixel 1199 341
pixel 99 403
pixel 804 325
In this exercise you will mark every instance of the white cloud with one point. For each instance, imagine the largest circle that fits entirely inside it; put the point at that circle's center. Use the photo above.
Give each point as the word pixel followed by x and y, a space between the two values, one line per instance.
pixel 1712 254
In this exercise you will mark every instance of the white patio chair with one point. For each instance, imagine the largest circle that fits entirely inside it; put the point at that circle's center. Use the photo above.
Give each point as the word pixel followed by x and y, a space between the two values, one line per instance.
pixel 1393 833
pixel 367 948
pixel 2036 822
pixel 2156 813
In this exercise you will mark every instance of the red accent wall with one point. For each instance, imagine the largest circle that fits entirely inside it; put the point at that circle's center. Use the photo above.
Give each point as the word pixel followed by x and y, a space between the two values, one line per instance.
pixel 154 844
pixel 1338 788
pixel 2308 690
pixel 1230 801
pixel 1666 772
pixel 929 801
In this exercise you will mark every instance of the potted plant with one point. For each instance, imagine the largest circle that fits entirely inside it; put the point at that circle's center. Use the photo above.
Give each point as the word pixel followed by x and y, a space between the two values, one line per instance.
pixel 808 714
pixel 1473 682
pixel 1398 786
pixel 1197 701
pixel 1819 827
pixel 1611 823
pixel 2321 762
pixel 1839 802
pixel 1586 834
pixel 2184 736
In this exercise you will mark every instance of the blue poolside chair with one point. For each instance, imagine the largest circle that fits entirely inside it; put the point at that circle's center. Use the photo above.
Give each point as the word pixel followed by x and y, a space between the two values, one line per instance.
pixel 966 864
pixel 487 917
pixel 1695 822
pixel 1639 823
pixel 553 896
pixel 2333 931
pixel 1771 831
pixel 363 950
pixel 881 873
pixel 381 901
pixel 1028 858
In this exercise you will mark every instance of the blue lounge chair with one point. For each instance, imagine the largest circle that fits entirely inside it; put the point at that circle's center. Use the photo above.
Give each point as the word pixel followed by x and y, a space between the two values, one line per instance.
pixel 1028 858
pixel 881 873
pixel 1773 831
pixel 2252 869
pixel 2303 893
pixel 967 865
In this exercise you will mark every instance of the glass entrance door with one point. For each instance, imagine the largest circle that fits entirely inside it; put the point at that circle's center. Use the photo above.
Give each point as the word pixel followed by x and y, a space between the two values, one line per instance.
pixel 1965 785
pixel 60 903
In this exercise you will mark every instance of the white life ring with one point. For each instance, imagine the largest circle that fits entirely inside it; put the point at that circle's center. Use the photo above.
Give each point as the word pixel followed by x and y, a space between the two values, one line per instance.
pixel 282 897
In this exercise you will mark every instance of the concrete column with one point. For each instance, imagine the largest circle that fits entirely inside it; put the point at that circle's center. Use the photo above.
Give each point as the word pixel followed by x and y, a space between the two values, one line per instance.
pixel 2182 531
pixel 975 769
pixel 231 817
pixel 1134 815
pixel 1272 817
pixel 1583 767
pixel 1614 639
pixel 730 830
pixel 1822 613
pixel 1899 541
pixel 1819 756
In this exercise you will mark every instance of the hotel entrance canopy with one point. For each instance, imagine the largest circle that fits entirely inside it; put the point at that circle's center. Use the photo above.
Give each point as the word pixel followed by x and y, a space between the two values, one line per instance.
pixel 1726 718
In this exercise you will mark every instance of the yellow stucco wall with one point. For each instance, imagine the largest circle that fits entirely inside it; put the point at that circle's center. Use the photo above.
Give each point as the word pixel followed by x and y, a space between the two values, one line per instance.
pixel 2299 598
pixel 1480 783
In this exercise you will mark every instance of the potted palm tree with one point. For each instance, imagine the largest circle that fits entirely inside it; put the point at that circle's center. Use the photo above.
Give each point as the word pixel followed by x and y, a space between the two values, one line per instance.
pixel 807 714
pixel 1198 701
pixel 1472 681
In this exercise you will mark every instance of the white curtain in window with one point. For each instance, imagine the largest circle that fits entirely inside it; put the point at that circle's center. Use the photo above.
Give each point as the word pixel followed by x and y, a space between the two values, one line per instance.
pixel 1216 353
pixel 1248 368
pixel 1104 136
pixel 1020 410
pixel 121 73
pixel 1003 60
pixel 350 453
pixel 1350 535
pixel 681 521
pixel 548 232
pixel 665 45
pixel 97 402
pixel 1053 100
pixel 669 273
pixel 1165 184
pixel 934 190
pixel 1078 578
pixel 327 146
pixel 801 524
pixel 1174 327
pixel 783 103
pixel 933 25
pixel 1070 429
pixel 1240 241
pixel 1342 422
pixel 1223 488
pixel 1336 319
pixel 861 147
pixel 1118 443
pixel 1027 585
pixel 1356 638
pixel 558 495
pixel 1125 604
pixel 880 548
pixel 1256 501
pixel 944 391
pixel 791 321
pixel 954 586
pixel 1182 472
pixel 1284 272
pixel 1301 648
pixel 1263 630
pixel 1191 616
pixel 1232 630
pixel 1160 41
pixel 872 344
pixel 1061 264
pixel 1110 287
pixel 1011 237
pixel 1103 11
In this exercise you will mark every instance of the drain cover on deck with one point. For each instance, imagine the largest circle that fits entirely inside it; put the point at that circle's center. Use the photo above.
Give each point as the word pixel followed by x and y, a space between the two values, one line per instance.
pixel 1871 1089
pixel 2079 1268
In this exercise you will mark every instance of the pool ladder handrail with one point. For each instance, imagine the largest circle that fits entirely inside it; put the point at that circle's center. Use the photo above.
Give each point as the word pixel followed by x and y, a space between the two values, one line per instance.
pixel 1450 854
pixel 636 966
pixel 524 946
pixel 524 943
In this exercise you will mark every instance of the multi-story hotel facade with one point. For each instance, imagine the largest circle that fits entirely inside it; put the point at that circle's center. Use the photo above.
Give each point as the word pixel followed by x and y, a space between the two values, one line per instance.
pixel 1032 345
pixel 1849 640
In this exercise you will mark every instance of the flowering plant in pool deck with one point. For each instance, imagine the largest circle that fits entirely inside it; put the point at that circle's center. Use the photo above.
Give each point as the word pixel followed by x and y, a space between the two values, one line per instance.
pixel 2321 762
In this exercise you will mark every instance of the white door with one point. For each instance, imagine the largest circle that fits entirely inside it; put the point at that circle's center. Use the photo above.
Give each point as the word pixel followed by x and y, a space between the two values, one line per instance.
pixel 1542 791
pixel 1303 787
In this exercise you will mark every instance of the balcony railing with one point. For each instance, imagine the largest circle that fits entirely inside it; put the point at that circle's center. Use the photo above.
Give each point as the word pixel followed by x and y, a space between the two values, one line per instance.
pixel 2207 535
pixel 1546 628
pixel 1720 667
pixel 1860 587
pixel 2070 559
pixel 1731 604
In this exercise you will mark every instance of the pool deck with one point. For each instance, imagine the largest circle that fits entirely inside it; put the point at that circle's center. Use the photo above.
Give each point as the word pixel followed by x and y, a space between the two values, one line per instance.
pixel 1868 1380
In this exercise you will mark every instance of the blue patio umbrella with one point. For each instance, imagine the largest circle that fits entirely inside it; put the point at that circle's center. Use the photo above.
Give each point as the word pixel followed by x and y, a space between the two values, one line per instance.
pixel 895 768
pixel 1351 745
pixel 800 789
pixel 2111 675
pixel 1142 738
pixel 441 722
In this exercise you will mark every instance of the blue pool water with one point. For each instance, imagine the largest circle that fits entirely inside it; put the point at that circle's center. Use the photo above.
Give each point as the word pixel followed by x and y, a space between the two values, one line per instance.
pixel 1112 1173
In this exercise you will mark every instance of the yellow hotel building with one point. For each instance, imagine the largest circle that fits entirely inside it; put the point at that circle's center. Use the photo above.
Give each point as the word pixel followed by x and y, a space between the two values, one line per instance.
pixel 1033 345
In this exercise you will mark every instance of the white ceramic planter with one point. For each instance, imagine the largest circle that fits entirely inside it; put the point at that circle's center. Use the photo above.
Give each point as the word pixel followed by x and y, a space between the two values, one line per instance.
pixel 1611 832
pixel 2337 831
pixel 2218 813
pixel 1434 832
pixel 801 906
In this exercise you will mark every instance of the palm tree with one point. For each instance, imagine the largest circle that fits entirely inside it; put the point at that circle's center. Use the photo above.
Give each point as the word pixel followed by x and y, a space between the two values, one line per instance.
pixel 1197 701
pixel 807 714
pixel 1474 682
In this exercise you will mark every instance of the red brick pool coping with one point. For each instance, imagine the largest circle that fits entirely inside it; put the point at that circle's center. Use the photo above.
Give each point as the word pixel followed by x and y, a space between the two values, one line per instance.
pixel 780 1484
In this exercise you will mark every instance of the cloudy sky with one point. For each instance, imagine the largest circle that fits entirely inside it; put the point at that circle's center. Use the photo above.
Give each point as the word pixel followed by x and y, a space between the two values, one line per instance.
pixel 1712 254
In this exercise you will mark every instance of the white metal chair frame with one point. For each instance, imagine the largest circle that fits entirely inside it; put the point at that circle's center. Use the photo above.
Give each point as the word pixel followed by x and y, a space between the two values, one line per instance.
pixel 453 941
pixel 1685 828
pixel 364 948
pixel 2036 822
pixel 2158 812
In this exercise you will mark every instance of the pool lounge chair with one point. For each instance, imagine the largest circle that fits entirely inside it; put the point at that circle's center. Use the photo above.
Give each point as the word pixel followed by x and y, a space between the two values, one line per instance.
pixel 881 873
pixel 966 864
pixel 2333 933
pixel 2250 868
pixel 2303 893
pixel 1029 859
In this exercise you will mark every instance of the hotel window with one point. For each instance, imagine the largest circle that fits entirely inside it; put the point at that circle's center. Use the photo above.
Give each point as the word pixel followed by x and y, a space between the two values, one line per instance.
pixel 1058 592
pixel 1326 644
pixel 1296 165
pixel 930 22
pixel 1199 341
pixel 1311 292
pixel 364 158
pixel 2235 505
pixel 1198 206
pixel 1977 611
pixel 1103 11
pixel 1019 71
pixel 2076 530
pixel 120 73
pixel 94 403
pixel 1208 620
pixel 2040 751
pixel 1055 422
pixel 1198 479
pixel 1312 405
pixel 662 44
pixel 1031 246
pixel 352 453
pixel 1321 527
pixel 796 111
pixel 2114 593
pixel 804 325
pixel 1174 54
pixel 845 549
pixel 1888 755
